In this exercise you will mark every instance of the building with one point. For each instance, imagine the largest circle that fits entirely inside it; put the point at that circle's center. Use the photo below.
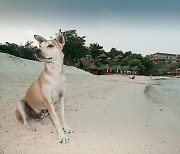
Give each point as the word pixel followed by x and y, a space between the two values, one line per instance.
pixel 104 69
pixel 178 58
pixel 135 70
pixel 178 71
pixel 118 58
pixel 91 68
pixel 86 60
pixel 126 69
pixel 116 69
pixel 102 57
pixel 163 57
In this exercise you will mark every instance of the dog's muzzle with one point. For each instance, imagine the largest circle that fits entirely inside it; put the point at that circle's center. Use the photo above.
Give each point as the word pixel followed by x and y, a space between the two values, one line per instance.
pixel 37 50
pixel 39 55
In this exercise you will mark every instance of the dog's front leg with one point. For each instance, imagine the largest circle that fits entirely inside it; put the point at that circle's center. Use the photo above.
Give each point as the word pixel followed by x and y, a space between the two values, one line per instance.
pixel 54 117
pixel 62 116
pixel 51 110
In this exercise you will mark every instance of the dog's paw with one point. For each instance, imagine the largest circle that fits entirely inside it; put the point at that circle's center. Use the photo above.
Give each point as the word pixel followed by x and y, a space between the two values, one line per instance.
pixel 64 139
pixel 68 130
pixel 30 128
pixel 44 122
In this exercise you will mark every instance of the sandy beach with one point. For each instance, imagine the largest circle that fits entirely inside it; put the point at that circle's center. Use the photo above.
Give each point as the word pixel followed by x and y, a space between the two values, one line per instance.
pixel 110 114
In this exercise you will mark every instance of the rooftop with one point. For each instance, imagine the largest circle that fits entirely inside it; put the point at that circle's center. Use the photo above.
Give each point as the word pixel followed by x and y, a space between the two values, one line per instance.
pixel 160 53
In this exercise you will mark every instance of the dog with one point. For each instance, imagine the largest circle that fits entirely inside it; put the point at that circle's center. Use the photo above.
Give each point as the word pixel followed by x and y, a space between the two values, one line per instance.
pixel 48 90
pixel 132 78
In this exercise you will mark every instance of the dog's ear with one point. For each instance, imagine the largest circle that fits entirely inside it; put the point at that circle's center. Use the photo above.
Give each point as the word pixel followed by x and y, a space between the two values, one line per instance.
pixel 60 38
pixel 40 39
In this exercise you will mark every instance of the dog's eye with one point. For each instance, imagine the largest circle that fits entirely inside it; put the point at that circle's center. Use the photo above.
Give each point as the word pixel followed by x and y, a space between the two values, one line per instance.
pixel 50 46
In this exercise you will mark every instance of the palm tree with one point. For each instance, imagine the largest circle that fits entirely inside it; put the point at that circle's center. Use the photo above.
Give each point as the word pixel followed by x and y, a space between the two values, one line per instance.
pixel 95 50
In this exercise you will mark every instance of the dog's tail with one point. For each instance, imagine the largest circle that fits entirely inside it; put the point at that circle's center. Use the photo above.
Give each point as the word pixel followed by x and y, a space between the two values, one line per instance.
pixel 19 116
pixel 27 110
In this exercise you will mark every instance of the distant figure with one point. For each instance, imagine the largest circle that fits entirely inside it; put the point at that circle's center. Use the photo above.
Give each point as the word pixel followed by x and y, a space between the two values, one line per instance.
pixel 151 77
pixel 132 77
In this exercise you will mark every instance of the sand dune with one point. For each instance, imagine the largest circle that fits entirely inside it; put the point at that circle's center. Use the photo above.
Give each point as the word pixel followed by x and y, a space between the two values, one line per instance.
pixel 110 114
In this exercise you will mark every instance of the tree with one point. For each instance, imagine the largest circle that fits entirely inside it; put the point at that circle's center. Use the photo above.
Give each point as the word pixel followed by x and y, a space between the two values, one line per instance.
pixel 95 50
pixel 127 54
pixel 74 48
pixel 24 51
pixel 149 66
pixel 10 48
pixel 137 62
pixel 125 61
pixel 134 62
pixel 27 51
pixel 114 52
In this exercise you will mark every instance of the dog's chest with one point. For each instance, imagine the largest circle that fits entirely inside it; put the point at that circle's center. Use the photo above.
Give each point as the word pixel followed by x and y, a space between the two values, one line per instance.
pixel 56 94
pixel 58 90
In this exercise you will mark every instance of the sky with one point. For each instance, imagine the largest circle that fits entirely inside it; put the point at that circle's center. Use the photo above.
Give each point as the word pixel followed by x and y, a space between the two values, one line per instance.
pixel 142 26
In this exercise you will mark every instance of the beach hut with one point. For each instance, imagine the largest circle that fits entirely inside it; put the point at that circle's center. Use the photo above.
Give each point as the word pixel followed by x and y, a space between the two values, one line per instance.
pixel 126 69
pixel 178 71
pixel 77 65
pixel 104 69
pixel 118 58
pixel 171 73
pixel 135 70
pixel 86 60
pixel 116 69
pixel 91 68
pixel 102 58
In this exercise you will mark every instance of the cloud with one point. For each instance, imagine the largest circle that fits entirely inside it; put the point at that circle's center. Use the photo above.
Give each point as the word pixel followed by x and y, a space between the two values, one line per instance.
pixel 14 30
pixel 30 32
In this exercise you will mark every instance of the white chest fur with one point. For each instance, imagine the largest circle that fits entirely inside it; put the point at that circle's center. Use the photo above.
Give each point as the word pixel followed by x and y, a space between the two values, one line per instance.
pixel 58 89
pixel 56 86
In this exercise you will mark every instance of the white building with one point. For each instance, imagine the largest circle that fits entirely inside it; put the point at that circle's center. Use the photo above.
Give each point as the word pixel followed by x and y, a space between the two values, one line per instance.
pixel 163 57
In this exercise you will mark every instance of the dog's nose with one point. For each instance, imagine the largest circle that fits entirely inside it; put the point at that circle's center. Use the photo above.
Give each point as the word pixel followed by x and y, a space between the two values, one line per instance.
pixel 37 50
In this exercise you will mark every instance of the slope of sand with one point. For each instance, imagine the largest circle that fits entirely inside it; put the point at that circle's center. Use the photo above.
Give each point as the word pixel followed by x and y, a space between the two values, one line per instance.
pixel 110 114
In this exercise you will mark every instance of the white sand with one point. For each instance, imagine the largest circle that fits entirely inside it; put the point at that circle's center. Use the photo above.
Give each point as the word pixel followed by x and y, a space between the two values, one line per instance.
pixel 110 114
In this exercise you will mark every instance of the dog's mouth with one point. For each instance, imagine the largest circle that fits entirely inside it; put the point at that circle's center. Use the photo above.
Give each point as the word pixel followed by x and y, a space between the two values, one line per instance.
pixel 39 56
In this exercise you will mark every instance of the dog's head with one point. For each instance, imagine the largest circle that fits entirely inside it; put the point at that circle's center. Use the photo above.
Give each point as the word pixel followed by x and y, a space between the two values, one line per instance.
pixel 50 50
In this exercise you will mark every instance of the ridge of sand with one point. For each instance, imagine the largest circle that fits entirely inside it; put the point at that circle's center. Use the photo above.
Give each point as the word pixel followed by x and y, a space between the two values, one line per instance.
pixel 10 64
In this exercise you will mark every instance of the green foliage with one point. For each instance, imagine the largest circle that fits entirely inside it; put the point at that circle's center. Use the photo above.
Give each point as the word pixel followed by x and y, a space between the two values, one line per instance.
pixel 26 51
pixel 148 66
pixel 111 63
pixel 127 54
pixel 74 48
pixel 165 66
pixel 95 50
pixel 134 62
pixel 10 48
pixel 133 59
pixel 114 52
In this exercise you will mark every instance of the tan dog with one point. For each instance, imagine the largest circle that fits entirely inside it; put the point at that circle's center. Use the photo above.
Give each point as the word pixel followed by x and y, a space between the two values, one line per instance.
pixel 48 89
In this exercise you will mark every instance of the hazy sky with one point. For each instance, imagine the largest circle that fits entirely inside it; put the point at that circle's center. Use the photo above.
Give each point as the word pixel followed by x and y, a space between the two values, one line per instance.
pixel 142 26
